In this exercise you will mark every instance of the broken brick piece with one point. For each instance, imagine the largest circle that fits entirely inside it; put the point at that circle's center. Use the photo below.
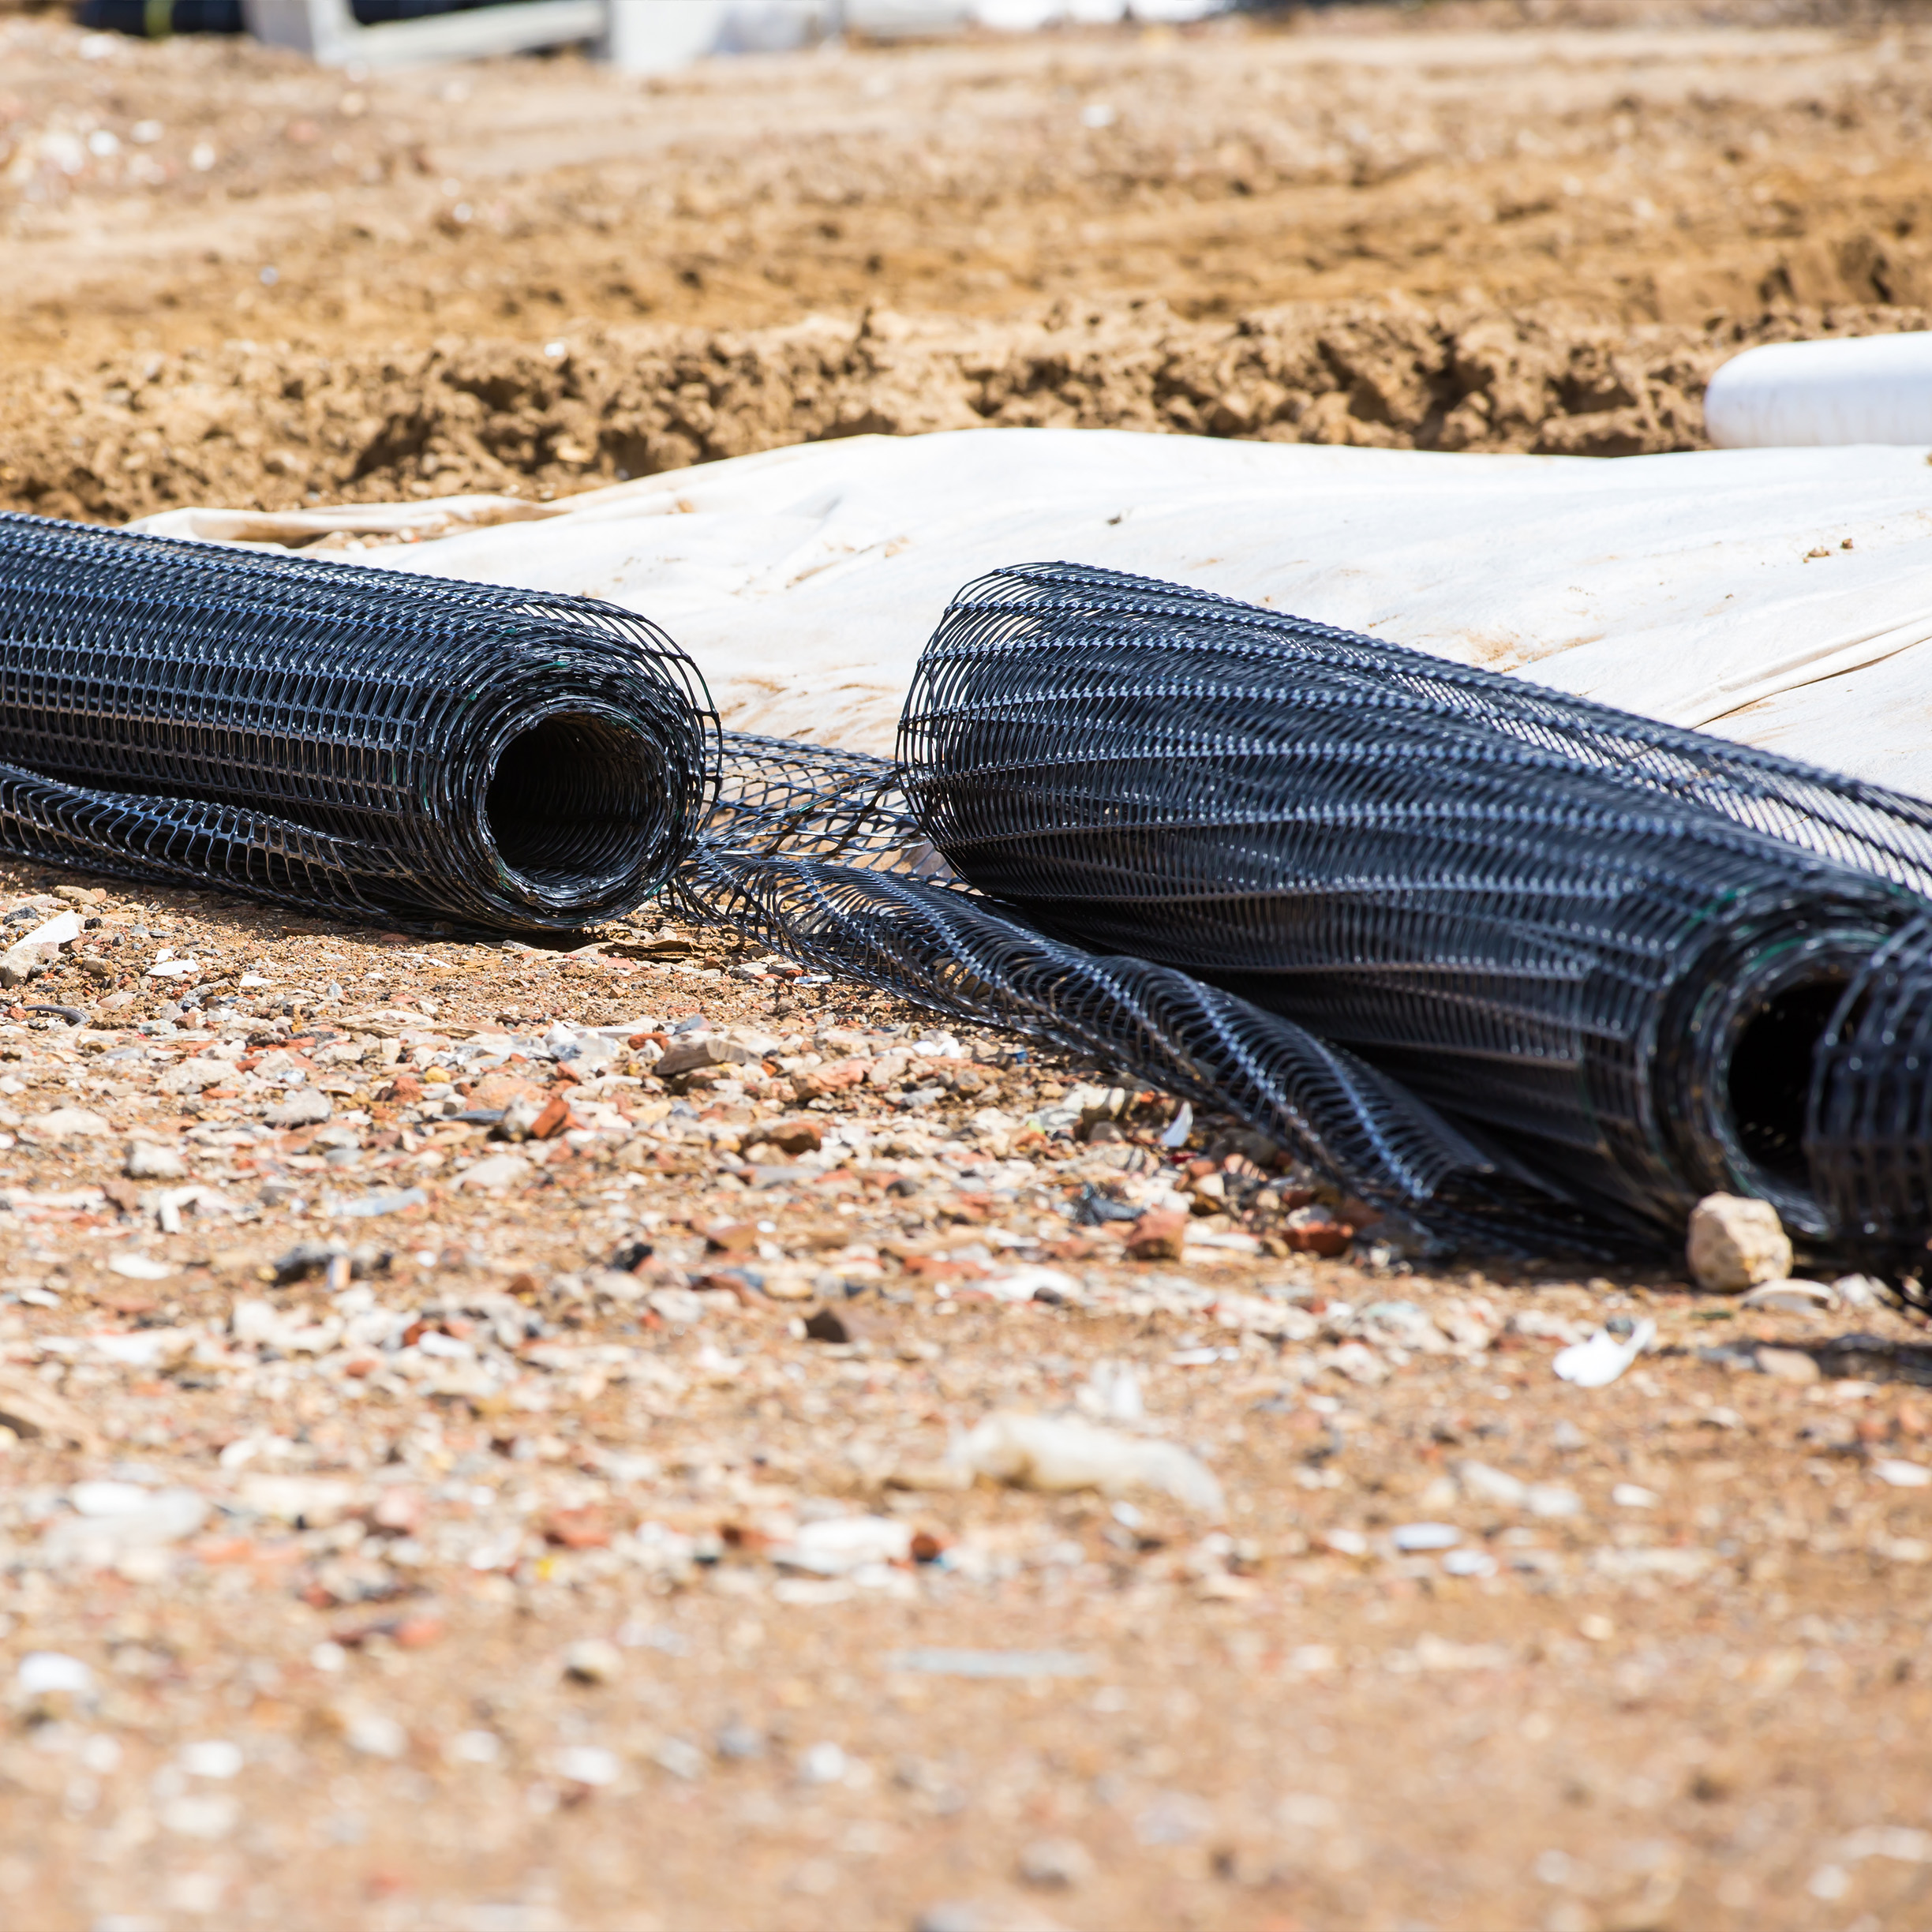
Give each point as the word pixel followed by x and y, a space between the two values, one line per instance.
pixel 1158 1235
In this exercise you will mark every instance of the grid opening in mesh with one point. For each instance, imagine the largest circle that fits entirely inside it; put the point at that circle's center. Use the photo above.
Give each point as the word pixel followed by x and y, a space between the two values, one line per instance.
pixel 1770 1075
pixel 571 800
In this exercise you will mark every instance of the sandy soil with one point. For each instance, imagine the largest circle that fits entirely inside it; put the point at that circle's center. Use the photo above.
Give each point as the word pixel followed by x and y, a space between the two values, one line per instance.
pixel 231 275
pixel 404 1526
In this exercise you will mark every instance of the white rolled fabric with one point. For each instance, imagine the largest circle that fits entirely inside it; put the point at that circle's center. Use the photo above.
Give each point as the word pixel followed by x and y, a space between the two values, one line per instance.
pixel 1857 389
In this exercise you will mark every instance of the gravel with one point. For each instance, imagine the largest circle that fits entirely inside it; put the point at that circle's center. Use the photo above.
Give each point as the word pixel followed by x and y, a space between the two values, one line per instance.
pixel 676 1516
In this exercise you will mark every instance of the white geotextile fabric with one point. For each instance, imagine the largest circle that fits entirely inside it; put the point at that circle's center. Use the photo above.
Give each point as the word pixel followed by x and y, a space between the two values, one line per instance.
pixel 805 581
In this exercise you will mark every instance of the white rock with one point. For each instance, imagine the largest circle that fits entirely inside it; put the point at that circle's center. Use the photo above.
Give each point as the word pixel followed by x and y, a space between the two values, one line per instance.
pixel 56 931
pixel 588 1764
pixel 188 1077
pixel 1484 1484
pixel 1863 1291
pixel 112 1519
pixel 1021 1284
pixel 316 1502
pixel 593 1661
pixel 1411 1538
pixel 1551 1499
pixel 211 1757
pixel 255 1321
pixel 146 1161
pixel 841 1545
pixel 1111 1393
pixel 374 1734
pixel 1059 1453
pixel 1901 1475
pixel 1736 1243
pixel 41 1673
pixel 66 1124
pixel 499 1170
pixel 140 1267
pixel 196 1815
pixel 1792 1298
pixel 307 1106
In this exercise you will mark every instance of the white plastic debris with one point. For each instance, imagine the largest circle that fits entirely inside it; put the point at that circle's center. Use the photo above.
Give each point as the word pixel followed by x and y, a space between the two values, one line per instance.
pixel 841 1545
pixel 1901 1474
pixel 42 1673
pixel 1180 1127
pixel 1059 1452
pixel 1598 1362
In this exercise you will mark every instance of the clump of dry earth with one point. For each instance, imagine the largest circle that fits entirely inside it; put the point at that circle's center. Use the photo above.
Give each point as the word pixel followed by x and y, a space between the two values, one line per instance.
pixel 263 426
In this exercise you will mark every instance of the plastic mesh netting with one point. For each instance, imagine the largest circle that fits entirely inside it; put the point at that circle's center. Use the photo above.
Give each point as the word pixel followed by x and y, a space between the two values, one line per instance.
pixel 1524 957
pixel 333 736
pixel 1512 961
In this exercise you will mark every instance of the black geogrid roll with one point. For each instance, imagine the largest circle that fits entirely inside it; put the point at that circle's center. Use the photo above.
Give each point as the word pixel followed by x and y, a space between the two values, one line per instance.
pixel 1610 946
pixel 332 737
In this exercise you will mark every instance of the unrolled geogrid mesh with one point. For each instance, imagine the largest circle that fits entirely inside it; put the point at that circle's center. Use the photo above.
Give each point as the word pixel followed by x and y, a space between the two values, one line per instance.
pixel 333 736
pixel 964 956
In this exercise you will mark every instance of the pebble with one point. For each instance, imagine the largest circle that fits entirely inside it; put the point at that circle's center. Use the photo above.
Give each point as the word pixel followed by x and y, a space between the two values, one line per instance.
pixel 1901 1474
pixel 593 1661
pixel 1734 1243
pixel 148 1160
pixel 590 1765
pixel 822 1764
pixel 994 1663
pixel 66 1123
pixel 1056 1453
pixel 41 1673
pixel 1413 1538
pixel 1057 1864
pixel 305 1107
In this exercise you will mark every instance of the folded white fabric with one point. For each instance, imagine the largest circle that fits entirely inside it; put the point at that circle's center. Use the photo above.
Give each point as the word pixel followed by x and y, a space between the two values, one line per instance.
pixel 1782 597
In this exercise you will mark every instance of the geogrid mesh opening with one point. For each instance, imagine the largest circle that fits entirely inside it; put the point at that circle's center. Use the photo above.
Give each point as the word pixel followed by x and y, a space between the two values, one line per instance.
pixel 1770 1075
pixel 571 800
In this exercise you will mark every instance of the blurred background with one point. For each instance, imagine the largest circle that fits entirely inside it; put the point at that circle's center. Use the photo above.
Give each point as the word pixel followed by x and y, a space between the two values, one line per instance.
pixel 383 261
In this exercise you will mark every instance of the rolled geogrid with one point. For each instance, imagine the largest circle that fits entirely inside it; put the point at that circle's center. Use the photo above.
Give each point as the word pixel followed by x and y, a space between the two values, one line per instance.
pixel 341 738
pixel 1610 947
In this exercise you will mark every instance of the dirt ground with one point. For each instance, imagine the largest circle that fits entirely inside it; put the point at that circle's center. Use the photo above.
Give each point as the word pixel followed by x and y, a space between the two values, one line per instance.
pixel 409 1527
pixel 234 278
pixel 644 1522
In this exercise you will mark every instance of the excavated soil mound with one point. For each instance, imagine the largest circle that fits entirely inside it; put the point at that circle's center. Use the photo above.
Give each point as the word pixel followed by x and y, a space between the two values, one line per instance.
pixel 263 425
